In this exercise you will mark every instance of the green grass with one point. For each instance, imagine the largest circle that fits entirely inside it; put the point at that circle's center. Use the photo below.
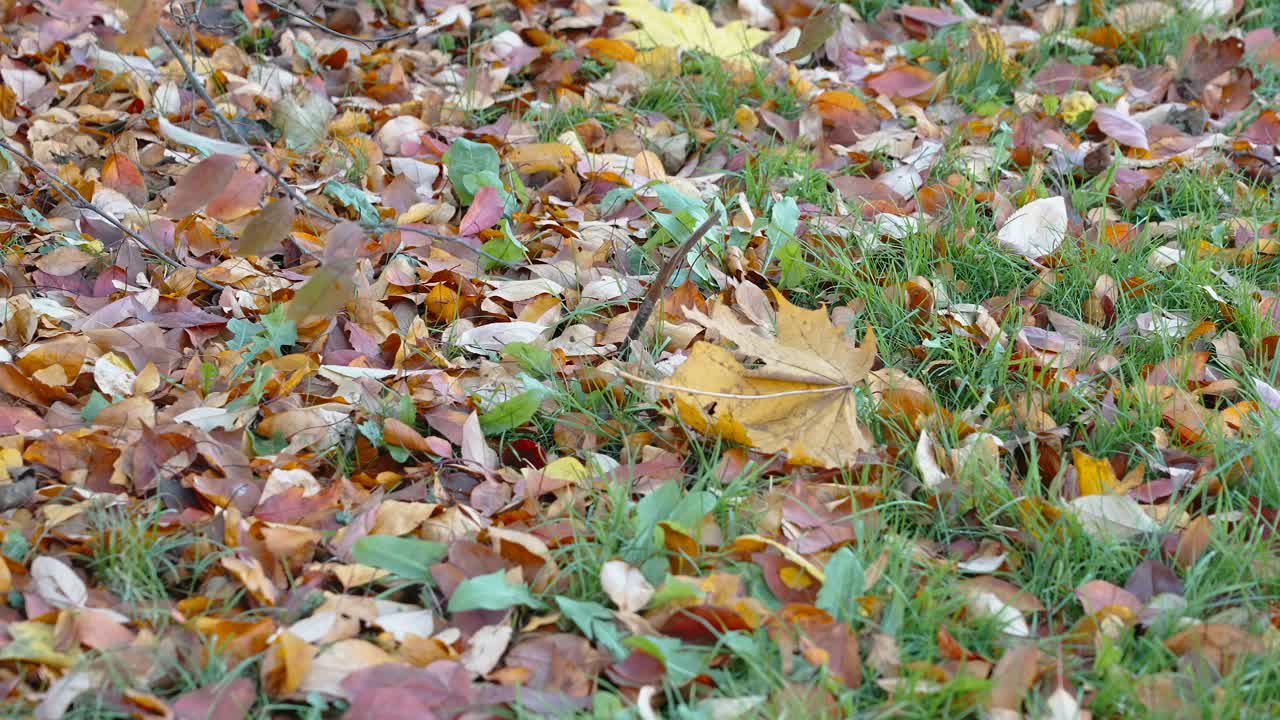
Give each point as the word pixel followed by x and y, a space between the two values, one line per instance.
pixel 912 534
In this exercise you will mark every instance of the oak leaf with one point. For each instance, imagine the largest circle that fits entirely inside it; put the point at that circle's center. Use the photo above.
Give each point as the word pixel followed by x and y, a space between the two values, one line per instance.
pixel 798 399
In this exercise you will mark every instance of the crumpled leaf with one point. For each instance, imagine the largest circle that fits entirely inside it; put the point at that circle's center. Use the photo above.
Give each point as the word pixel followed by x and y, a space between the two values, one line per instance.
pixel 801 400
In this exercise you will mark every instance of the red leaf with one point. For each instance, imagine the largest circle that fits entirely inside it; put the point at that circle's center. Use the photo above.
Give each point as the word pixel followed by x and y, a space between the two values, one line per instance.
pixel 240 198
pixel 1121 128
pixel 484 213
pixel 1098 594
pixel 906 81
pixel 200 185
pixel 1060 78
pixel 934 17
pixel 230 701
pixel 120 174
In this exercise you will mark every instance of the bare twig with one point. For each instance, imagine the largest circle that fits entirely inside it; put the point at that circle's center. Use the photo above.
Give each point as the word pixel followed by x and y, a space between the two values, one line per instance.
pixel 73 196
pixel 374 40
pixel 726 395
pixel 301 200
pixel 650 301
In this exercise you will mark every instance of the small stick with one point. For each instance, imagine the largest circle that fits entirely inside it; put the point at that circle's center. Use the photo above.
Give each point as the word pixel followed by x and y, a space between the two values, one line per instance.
pixel 650 301
pixel 325 28
pixel 298 198
pixel 73 196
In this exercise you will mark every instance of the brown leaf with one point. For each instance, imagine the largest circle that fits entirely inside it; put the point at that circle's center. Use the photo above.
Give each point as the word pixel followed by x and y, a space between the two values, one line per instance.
pixel 201 184
pixel 1194 542
pixel 267 229
pixel 1013 676
pixel 800 400
pixel 328 289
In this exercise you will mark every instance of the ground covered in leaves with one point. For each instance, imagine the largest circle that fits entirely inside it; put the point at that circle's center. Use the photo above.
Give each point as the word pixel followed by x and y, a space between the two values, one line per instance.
pixel 639 359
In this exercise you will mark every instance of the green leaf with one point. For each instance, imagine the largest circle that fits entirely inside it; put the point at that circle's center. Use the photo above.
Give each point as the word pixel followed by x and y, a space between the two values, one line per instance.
pixel 354 198
pixel 846 579
pixel 96 404
pixel 267 446
pixel 682 662
pixel 491 592
pixel 532 359
pixel 243 333
pixel 406 412
pixel 372 431
pixel 655 507
pixel 406 557
pixel 469 163
pixel 692 508
pixel 791 261
pixel 784 218
pixel 261 376
pixel 511 413
pixel 672 591
pixel 281 331
pixel 596 622
pixel 505 250
pixel 615 200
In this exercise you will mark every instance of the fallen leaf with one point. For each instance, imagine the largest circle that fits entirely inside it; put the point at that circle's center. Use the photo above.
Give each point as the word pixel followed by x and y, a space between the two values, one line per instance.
pixel 1096 476
pixel 800 399
pixel 200 185
pixel 689 27
pixel 626 586
pixel 1116 516
pixel 1036 229
pixel 267 229
pixel 1121 128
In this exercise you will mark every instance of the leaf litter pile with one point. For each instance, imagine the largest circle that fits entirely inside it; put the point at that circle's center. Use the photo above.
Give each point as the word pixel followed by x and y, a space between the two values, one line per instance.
pixel 639 359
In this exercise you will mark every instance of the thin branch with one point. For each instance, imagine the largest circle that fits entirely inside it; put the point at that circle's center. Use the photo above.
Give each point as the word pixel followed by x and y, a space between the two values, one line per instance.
pixel 301 200
pixel 727 396
pixel 73 196
pixel 650 301
pixel 370 41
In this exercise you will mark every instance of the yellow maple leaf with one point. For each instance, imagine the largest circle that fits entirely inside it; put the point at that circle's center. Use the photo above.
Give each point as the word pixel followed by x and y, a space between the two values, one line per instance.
pixel 799 399
pixel 689 27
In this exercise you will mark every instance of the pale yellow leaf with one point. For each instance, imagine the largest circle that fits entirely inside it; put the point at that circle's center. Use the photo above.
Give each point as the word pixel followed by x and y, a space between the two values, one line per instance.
pixel 688 27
